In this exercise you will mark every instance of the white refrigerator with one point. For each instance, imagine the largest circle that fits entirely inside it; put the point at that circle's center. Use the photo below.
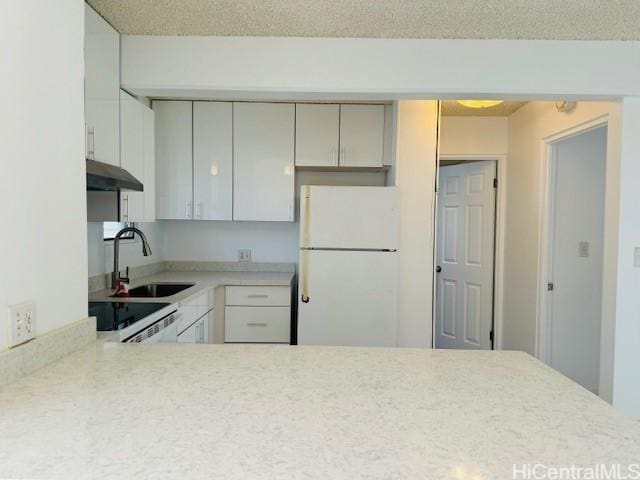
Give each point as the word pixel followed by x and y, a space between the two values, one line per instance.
pixel 348 266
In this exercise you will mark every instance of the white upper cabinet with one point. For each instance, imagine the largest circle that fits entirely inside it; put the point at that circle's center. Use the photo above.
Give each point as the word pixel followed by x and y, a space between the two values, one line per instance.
pixel 212 160
pixel 263 177
pixel 137 157
pixel 174 160
pixel 102 88
pixel 317 135
pixel 361 135
pixel 149 152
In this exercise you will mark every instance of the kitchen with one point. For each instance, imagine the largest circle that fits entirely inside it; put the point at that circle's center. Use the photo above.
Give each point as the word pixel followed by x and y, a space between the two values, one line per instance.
pixel 257 238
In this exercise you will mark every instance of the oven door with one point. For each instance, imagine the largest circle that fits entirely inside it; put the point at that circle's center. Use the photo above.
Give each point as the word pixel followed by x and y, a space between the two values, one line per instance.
pixel 164 330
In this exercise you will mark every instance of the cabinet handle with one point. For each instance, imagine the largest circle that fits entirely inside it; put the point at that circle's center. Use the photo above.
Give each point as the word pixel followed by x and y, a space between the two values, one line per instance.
pixel 125 208
pixel 188 210
pixel 256 324
pixel 290 211
pixel 258 295
pixel 91 143
pixel 198 210
pixel 334 156
pixel 343 155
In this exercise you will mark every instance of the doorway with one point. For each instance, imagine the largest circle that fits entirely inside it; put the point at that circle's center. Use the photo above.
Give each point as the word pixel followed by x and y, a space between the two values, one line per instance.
pixel 465 254
pixel 572 299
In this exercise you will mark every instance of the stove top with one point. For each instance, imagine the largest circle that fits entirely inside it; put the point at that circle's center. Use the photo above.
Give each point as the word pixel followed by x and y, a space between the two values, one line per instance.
pixel 112 316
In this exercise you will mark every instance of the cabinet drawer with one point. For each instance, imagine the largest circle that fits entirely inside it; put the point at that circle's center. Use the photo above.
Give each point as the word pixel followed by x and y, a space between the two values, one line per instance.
pixel 258 296
pixel 257 324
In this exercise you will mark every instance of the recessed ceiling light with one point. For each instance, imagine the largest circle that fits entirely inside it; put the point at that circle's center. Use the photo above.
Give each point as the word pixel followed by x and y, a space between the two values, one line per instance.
pixel 480 103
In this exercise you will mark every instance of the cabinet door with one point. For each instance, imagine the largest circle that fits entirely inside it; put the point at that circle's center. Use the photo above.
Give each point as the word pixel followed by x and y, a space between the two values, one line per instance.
pixel 102 88
pixel 263 170
pixel 149 153
pixel 212 160
pixel 317 133
pixel 190 335
pixel 132 155
pixel 361 135
pixel 174 167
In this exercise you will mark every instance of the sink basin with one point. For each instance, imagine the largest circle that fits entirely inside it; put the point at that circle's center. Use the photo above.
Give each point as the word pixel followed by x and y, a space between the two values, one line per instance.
pixel 157 290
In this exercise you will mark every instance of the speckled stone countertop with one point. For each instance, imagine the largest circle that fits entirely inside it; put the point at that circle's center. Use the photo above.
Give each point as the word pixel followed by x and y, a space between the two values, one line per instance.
pixel 201 279
pixel 175 411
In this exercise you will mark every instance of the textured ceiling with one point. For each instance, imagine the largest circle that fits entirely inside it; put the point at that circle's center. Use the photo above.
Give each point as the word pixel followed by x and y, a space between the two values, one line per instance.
pixel 508 19
pixel 451 108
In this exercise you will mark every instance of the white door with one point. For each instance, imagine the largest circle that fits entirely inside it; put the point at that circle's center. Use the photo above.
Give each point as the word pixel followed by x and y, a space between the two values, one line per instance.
pixel 349 217
pixel 132 155
pixel 465 255
pixel 317 134
pixel 361 135
pixel 174 166
pixel 263 161
pixel 212 160
pixel 352 298
pixel 577 226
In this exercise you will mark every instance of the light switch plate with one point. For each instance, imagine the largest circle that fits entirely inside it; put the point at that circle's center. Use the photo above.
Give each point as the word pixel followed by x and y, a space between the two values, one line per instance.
pixel 583 249
pixel 22 323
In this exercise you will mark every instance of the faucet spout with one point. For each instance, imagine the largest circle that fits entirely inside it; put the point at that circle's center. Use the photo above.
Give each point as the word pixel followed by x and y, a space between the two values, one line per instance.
pixel 146 251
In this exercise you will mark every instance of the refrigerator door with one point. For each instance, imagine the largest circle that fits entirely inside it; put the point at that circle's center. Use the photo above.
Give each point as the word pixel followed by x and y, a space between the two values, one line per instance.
pixel 352 298
pixel 349 217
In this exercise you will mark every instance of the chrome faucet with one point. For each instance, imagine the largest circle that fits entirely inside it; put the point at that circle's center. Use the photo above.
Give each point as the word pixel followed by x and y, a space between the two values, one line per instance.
pixel 146 251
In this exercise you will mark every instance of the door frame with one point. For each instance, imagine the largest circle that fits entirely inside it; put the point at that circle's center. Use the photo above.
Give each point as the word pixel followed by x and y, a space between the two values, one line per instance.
pixel 499 242
pixel 545 236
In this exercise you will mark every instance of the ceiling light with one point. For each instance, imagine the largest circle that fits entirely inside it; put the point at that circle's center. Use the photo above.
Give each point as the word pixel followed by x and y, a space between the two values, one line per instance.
pixel 480 103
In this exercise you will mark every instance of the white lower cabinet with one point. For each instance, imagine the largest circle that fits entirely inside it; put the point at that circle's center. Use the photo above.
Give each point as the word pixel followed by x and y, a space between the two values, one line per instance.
pixel 257 314
pixel 196 314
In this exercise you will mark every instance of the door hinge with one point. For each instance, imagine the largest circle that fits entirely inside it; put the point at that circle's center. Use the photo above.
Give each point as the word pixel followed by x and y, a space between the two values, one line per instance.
pixel 550 287
pixel 495 183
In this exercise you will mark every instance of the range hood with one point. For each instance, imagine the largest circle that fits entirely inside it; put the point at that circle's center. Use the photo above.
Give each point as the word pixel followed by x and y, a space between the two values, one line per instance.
pixel 105 177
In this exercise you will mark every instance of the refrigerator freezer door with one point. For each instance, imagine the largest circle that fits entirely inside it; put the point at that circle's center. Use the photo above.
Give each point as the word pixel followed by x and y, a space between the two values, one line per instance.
pixel 349 217
pixel 352 298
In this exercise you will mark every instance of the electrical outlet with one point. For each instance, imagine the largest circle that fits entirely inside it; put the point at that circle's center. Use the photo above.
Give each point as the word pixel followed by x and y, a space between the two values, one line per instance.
pixel 22 321
pixel 244 255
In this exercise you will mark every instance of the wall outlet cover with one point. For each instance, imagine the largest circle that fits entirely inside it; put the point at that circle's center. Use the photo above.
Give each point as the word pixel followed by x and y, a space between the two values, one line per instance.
pixel 244 255
pixel 22 323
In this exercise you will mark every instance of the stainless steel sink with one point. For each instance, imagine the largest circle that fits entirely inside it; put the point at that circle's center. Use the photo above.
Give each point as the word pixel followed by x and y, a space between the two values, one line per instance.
pixel 157 290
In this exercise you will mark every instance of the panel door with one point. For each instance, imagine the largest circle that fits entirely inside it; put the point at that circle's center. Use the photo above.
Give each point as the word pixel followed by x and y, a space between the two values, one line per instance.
pixel 465 255
pixel 263 171
pixel 132 155
pixel 174 160
pixel 212 160
pixel 317 134
pixel 361 135
pixel 352 298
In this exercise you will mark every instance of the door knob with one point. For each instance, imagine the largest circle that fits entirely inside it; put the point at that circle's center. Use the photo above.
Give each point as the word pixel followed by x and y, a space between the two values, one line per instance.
pixel 438 269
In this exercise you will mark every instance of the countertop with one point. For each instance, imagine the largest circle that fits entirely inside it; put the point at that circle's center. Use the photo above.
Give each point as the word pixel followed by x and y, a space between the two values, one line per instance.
pixel 200 411
pixel 201 279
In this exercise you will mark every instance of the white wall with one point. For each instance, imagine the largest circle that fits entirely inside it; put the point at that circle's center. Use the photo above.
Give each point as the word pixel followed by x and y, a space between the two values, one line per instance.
pixel 626 376
pixel 415 177
pixel 42 186
pixel 473 136
pixel 237 67
pixel 220 241
pixel 101 252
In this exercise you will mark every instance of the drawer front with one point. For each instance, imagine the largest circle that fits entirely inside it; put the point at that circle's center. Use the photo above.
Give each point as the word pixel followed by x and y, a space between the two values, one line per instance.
pixel 258 296
pixel 256 324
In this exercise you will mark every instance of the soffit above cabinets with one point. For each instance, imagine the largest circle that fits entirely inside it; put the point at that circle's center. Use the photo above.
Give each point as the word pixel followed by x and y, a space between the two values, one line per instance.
pixel 451 108
pixel 470 19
